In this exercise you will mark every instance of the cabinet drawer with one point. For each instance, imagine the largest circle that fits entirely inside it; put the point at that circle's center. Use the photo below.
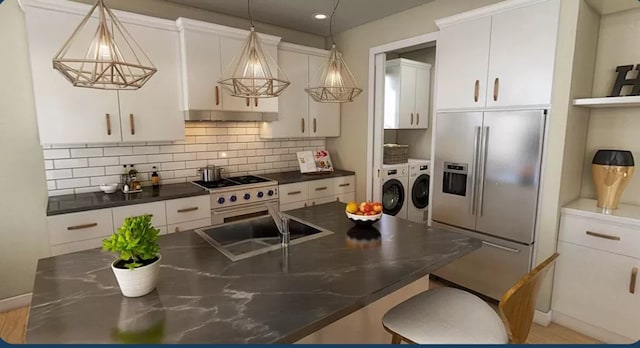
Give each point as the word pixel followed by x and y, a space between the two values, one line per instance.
pixel 346 197
pixel 294 192
pixel 189 225
pixel 594 286
pixel 188 209
pixel 344 184
pixel 321 200
pixel 320 188
pixel 76 246
pixel 292 206
pixel 155 209
pixel 75 227
pixel 608 236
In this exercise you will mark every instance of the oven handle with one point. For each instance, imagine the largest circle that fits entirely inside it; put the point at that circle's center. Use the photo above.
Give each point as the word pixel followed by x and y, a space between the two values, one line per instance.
pixel 242 208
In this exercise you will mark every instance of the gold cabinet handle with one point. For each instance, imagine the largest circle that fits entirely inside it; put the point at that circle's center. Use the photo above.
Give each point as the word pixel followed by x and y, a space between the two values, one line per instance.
pixel 632 284
pixel 476 91
pixel 255 102
pixel 108 117
pixel 343 185
pixel 132 122
pixel 302 125
pixel 321 188
pixel 305 204
pixel 496 89
pixel 313 203
pixel 294 193
pixel 82 227
pixel 217 96
pixel 315 125
pixel 417 119
pixel 412 118
pixel 186 210
pixel 602 235
pixel 248 101
pixel 177 229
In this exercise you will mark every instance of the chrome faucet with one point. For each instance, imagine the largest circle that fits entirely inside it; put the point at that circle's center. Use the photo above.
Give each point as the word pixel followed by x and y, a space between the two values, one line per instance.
pixel 282 223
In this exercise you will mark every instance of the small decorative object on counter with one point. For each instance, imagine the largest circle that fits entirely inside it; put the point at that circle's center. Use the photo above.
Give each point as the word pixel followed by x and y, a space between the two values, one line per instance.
pixel 611 171
pixel 314 161
pixel 132 181
pixel 124 177
pixel 155 178
pixel 138 265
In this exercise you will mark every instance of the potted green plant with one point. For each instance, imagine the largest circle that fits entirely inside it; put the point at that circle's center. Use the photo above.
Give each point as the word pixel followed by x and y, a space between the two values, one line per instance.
pixel 138 265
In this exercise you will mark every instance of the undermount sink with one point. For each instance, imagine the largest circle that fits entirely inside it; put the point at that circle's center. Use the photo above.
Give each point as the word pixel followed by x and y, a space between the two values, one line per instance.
pixel 243 239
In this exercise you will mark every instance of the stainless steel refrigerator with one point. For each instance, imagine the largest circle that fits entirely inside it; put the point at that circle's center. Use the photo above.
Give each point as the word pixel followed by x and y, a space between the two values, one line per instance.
pixel 486 183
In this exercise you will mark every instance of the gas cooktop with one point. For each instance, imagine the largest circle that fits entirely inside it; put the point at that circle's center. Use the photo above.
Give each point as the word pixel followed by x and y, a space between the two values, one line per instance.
pixel 232 181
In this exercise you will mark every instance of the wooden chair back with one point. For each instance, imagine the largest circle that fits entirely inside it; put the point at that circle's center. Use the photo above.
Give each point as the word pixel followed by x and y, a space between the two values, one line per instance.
pixel 518 304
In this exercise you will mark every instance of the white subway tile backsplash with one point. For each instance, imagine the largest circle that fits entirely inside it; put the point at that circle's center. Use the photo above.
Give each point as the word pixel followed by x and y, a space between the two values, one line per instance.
pixel 235 146
pixel 56 153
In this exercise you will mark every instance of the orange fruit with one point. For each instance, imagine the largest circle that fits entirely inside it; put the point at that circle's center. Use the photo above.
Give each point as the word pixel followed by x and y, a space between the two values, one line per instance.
pixel 352 207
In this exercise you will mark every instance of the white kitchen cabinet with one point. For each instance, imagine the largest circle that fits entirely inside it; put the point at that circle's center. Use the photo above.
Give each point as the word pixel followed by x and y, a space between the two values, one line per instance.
pixel 406 104
pixel 68 115
pixel 78 231
pixel 299 115
pixel 346 197
pixel 463 63
pixel 595 290
pixel 502 59
pixel 321 188
pixel 188 209
pixel 315 192
pixel 155 209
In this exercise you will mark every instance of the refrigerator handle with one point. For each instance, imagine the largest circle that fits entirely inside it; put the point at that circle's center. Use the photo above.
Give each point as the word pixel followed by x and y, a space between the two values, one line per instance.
pixel 483 161
pixel 476 155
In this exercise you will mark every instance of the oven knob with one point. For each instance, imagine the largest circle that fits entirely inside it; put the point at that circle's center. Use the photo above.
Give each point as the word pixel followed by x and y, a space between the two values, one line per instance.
pixel 260 194
pixel 270 193
pixel 233 198
pixel 246 196
pixel 220 200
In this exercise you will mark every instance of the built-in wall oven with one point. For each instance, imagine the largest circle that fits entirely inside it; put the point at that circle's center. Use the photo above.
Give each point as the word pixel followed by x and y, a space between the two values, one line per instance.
pixel 239 198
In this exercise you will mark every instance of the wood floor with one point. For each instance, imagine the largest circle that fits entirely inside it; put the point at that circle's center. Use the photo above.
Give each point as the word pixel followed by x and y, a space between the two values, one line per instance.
pixel 13 323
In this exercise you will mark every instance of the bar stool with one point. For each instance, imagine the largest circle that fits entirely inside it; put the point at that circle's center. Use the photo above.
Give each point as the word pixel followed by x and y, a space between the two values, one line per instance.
pixel 454 316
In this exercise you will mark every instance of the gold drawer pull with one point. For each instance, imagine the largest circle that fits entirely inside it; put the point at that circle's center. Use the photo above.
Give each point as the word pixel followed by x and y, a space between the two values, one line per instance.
pixel 321 188
pixel 412 118
pixel 248 101
pixel 496 89
pixel 217 96
pixel 602 235
pixel 81 227
pixel 417 118
pixel 255 102
pixel 186 210
pixel 476 91
pixel 632 284
pixel 315 125
pixel 303 125
pixel 343 185
pixel 108 124
pixel 132 121
pixel 294 193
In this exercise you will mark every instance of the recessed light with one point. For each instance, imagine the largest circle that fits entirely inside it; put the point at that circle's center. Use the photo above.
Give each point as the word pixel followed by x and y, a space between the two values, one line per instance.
pixel 320 16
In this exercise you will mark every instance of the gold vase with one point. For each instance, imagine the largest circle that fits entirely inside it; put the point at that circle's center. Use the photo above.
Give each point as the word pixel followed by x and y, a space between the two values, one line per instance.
pixel 611 171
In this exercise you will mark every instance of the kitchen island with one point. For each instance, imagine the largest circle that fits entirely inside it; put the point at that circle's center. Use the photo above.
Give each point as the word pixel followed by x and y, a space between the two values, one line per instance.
pixel 203 297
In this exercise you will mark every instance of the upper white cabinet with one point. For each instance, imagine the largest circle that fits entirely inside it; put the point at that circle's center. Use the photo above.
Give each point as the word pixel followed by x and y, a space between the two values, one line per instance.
pixel 500 56
pixel 299 115
pixel 406 104
pixel 68 114
pixel 207 50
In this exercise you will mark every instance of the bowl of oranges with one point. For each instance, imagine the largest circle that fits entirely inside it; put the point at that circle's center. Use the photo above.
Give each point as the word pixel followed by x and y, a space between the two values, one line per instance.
pixel 365 213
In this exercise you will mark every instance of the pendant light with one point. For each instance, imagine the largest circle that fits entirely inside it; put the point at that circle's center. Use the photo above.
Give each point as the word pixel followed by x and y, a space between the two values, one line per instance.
pixel 336 84
pixel 253 73
pixel 104 58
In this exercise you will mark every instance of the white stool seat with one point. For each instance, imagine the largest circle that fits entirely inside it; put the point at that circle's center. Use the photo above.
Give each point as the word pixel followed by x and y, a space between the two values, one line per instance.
pixel 446 316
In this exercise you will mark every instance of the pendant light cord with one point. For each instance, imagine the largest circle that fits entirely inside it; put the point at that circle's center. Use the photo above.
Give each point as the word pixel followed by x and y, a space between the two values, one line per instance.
pixel 250 15
pixel 335 7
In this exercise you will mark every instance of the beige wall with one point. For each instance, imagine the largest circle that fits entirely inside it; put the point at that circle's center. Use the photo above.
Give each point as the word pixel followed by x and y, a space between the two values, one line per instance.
pixel 350 151
pixel 614 128
pixel 169 10
pixel 23 234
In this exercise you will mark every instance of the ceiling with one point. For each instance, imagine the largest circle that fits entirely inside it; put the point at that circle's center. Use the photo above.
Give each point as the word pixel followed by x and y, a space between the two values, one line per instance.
pixel 297 14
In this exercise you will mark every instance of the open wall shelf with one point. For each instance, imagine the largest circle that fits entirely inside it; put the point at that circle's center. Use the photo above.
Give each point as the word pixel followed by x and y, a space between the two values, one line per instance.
pixel 608 102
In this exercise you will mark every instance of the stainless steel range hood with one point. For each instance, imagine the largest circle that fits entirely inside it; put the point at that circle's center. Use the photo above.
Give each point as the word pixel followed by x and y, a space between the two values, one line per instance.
pixel 214 115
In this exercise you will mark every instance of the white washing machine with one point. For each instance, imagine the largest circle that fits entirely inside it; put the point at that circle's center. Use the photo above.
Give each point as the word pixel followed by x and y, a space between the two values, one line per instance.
pixel 418 190
pixel 395 180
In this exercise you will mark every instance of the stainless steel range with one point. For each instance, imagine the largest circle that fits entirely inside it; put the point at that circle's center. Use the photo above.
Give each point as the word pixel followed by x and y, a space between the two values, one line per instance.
pixel 240 197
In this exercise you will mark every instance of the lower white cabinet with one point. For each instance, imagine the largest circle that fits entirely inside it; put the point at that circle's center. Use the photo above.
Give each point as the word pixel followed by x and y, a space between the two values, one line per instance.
pixel 596 290
pixel 315 192
pixel 85 230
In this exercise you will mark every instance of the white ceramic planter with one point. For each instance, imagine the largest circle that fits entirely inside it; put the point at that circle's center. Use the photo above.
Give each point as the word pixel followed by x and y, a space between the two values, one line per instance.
pixel 138 281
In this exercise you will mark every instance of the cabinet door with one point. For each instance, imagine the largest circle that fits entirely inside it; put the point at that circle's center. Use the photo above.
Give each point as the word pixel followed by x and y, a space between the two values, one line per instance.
pixel 406 109
pixel 294 102
pixel 463 60
pixel 270 104
pixel 594 286
pixel 422 96
pixel 523 47
pixel 66 114
pixel 324 118
pixel 229 50
pixel 200 70
pixel 154 112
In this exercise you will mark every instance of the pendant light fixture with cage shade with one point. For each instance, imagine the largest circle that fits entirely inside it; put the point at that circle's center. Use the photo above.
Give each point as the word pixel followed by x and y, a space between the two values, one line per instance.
pixel 103 56
pixel 336 84
pixel 253 73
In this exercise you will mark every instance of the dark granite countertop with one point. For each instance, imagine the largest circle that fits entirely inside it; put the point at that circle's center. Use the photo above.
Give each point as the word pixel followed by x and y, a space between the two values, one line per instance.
pixel 295 176
pixel 202 297
pixel 99 200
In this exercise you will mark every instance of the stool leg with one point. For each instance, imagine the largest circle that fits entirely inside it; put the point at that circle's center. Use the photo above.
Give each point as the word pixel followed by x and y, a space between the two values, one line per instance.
pixel 395 339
